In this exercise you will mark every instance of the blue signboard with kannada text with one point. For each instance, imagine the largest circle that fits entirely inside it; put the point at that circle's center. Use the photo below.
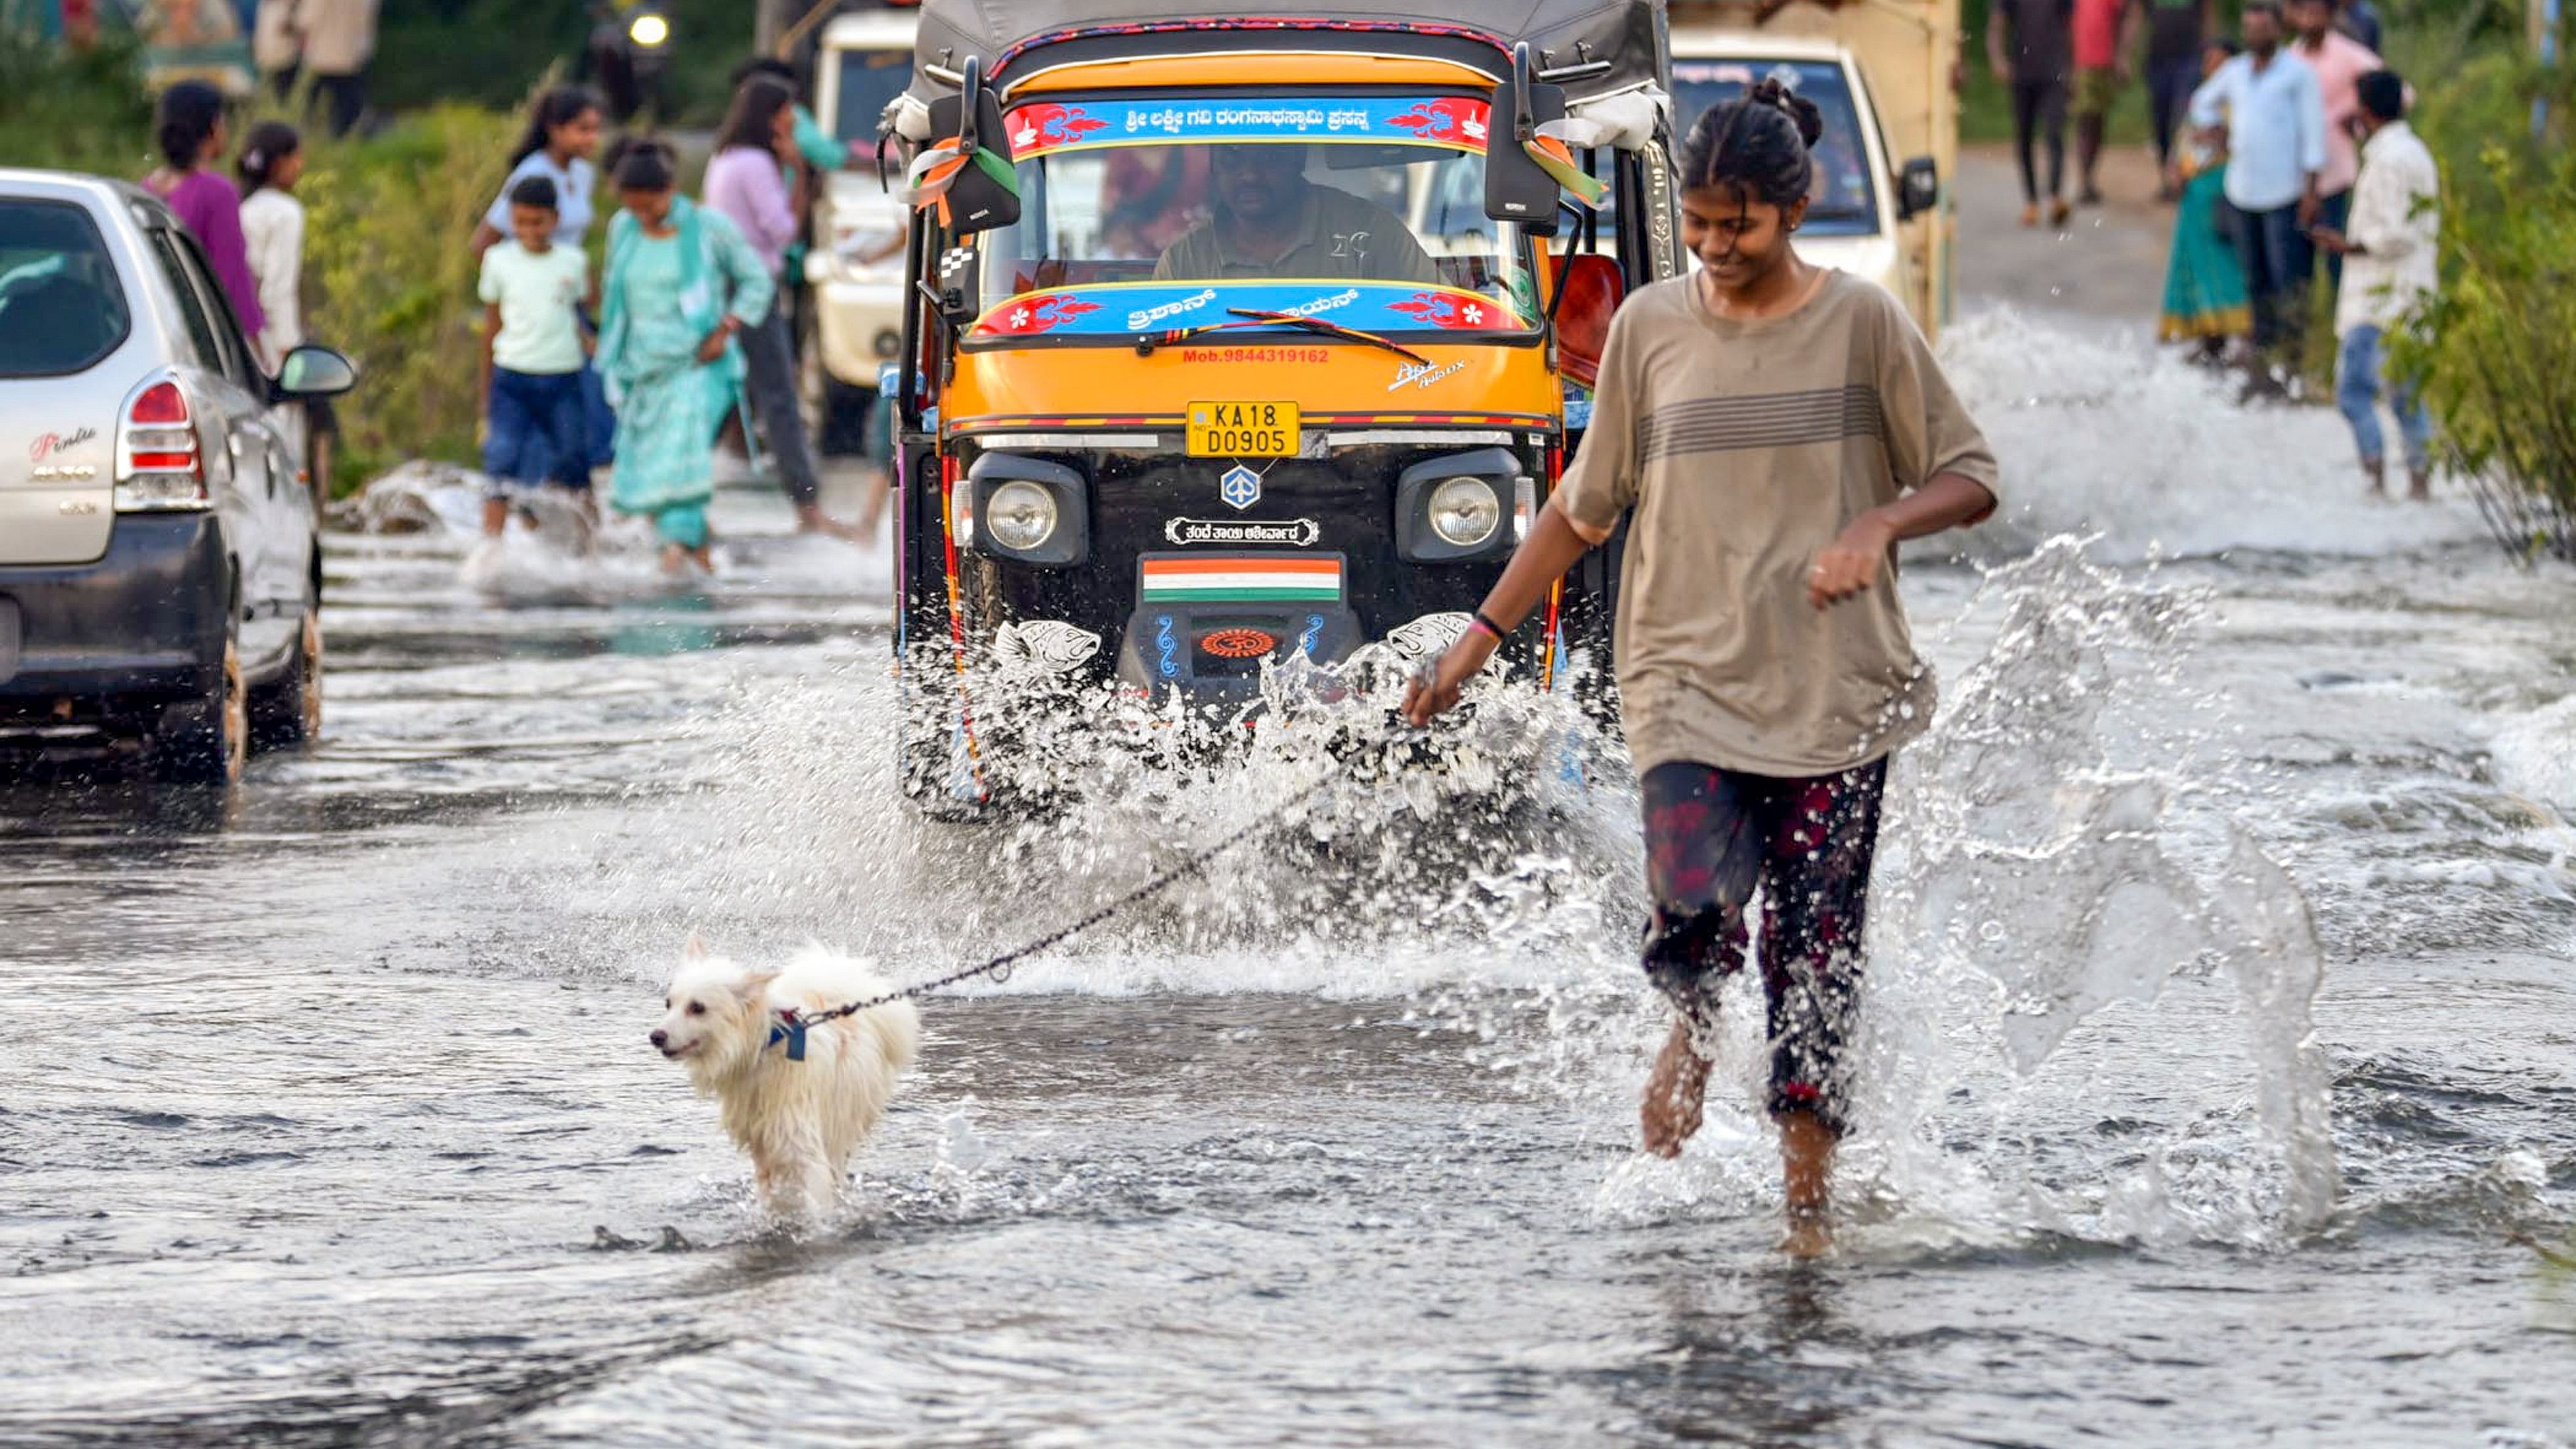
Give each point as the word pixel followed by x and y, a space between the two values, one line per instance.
pixel 1128 308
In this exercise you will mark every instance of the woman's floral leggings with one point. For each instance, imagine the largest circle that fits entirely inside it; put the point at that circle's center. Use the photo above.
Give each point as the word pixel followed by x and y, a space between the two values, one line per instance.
pixel 1711 836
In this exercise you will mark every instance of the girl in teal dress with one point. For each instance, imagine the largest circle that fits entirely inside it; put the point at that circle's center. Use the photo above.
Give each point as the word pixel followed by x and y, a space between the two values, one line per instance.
pixel 2205 298
pixel 680 283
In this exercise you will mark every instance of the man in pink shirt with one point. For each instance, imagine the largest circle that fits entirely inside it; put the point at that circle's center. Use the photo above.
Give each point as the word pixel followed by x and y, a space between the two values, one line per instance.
pixel 2099 43
pixel 2340 62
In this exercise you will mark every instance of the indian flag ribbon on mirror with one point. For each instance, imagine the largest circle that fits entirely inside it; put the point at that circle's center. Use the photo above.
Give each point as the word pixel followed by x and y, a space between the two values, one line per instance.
pixel 1556 160
pixel 936 168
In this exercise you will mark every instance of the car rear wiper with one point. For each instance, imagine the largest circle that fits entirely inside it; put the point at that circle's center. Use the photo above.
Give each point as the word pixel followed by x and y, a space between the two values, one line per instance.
pixel 1258 317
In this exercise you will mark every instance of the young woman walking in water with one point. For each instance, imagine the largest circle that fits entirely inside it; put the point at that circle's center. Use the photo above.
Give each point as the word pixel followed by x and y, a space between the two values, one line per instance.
pixel 1777 427
pixel 682 285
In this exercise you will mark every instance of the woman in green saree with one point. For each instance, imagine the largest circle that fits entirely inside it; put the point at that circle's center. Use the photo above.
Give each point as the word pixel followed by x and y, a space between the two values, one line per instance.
pixel 2205 299
pixel 680 283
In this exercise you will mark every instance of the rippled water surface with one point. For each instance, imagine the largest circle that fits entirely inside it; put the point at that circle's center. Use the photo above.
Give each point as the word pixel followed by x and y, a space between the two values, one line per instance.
pixel 2223 1045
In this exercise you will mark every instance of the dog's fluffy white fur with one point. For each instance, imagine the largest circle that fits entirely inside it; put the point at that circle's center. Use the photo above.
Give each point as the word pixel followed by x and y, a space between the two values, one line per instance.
pixel 798 1120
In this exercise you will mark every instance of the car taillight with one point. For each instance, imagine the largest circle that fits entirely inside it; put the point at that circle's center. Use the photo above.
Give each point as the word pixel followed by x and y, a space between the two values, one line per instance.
pixel 159 468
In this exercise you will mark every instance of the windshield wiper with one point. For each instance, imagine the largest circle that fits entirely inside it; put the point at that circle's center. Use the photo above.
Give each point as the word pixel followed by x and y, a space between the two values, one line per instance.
pixel 1258 317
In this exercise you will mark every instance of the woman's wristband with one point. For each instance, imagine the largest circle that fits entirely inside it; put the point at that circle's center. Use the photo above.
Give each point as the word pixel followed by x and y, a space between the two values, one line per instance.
pixel 1484 621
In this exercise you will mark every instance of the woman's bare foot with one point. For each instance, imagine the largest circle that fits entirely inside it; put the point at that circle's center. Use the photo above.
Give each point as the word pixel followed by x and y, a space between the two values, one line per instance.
pixel 1675 1092
pixel 674 559
pixel 1806 1173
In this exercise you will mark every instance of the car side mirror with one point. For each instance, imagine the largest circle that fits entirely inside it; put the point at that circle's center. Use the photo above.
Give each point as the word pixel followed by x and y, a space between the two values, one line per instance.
pixel 1918 188
pixel 310 371
pixel 977 200
pixel 1516 187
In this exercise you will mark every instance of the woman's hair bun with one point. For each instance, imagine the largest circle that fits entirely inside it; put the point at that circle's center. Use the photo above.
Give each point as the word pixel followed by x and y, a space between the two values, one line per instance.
pixel 1801 112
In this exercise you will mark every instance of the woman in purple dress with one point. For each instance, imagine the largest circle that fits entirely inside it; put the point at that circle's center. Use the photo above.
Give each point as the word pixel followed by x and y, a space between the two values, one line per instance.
pixel 191 133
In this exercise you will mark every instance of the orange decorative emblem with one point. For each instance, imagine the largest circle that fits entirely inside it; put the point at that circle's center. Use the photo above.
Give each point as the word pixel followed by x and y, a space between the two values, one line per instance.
pixel 1238 643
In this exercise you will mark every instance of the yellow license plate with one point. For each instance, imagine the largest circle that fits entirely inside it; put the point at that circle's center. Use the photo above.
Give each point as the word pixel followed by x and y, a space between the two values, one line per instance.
pixel 1242 430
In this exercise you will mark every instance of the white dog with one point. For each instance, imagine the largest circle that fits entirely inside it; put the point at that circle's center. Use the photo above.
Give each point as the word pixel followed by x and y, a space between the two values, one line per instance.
pixel 799 1119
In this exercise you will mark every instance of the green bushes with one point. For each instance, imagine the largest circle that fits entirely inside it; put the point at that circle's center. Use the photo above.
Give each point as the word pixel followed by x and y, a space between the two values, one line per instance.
pixel 391 280
pixel 388 277
pixel 73 111
pixel 2495 352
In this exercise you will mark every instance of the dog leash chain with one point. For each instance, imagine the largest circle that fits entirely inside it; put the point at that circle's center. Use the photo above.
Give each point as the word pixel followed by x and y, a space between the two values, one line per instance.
pixel 999 967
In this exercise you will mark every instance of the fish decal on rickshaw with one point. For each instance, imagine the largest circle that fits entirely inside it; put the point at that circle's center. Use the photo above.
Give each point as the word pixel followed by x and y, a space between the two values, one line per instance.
pixel 1456 311
pixel 1028 316
pixel 1449 120
pixel 1045 125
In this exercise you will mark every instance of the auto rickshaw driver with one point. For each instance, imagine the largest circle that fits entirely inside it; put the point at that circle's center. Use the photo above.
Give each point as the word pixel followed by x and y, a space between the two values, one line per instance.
pixel 1272 222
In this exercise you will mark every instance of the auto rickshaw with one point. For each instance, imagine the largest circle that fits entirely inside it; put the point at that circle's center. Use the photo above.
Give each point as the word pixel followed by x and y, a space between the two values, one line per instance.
pixel 1236 342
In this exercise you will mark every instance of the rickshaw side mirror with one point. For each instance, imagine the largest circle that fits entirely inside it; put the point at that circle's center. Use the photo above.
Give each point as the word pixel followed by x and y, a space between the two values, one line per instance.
pixel 976 200
pixel 1592 290
pixel 1516 187
pixel 1918 188
pixel 959 292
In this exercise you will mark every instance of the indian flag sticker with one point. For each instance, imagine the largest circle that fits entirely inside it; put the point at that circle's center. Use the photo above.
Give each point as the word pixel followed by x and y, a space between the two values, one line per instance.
pixel 1241 579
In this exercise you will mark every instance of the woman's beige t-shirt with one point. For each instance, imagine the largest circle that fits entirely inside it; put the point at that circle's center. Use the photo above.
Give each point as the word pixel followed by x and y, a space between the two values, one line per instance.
pixel 1745 448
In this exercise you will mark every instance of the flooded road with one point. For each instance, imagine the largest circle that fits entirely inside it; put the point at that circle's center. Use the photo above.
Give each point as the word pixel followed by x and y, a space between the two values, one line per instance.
pixel 2223 1034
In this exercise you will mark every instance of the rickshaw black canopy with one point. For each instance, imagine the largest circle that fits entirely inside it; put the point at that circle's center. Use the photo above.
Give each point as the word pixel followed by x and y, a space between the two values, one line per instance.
pixel 1590 47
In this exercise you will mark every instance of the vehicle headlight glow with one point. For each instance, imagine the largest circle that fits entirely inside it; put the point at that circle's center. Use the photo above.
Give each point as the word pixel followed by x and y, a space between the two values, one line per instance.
pixel 648 29
pixel 1465 511
pixel 1020 515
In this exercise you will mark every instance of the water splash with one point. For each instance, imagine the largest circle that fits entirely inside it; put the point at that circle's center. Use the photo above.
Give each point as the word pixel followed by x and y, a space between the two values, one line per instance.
pixel 2098 434
pixel 2059 899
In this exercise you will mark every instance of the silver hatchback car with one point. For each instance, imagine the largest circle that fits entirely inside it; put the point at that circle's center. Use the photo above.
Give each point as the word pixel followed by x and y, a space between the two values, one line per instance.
pixel 160 568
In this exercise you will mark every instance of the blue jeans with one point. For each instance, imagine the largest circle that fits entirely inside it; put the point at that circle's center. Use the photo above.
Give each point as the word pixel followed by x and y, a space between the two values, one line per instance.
pixel 535 431
pixel 2271 248
pixel 2360 374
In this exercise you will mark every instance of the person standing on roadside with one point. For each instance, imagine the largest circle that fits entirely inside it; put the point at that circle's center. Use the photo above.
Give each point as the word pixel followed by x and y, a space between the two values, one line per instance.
pixel 275 48
pixel 561 139
pixel 2264 105
pixel 2099 42
pixel 1771 429
pixel 189 125
pixel 747 184
pixel 2177 33
pixel 2204 282
pixel 338 40
pixel 560 144
pixel 2391 265
pixel 682 285
pixel 820 148
pixel 2340 62
pixel 2029 44
pixel 272 162
pixel 272 220
pixel 532 287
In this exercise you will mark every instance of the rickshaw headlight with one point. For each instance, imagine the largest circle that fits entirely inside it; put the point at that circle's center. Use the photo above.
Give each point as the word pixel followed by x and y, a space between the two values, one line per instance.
pixel 1465 511
pixel 1020 515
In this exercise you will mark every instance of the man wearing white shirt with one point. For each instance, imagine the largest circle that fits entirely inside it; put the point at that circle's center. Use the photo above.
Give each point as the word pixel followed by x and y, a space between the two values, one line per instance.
pixel 2273 116
pixel 2391 265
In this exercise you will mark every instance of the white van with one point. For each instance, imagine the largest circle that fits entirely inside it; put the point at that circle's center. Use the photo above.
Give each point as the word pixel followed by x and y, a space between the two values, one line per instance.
pixel 856 265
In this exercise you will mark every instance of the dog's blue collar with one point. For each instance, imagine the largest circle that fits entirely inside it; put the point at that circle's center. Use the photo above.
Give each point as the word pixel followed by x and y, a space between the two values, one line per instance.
pixel 789 1030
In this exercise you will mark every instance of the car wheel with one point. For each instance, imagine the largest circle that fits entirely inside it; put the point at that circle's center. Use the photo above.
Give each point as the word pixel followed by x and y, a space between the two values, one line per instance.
pixel 207 741
pixel 289 712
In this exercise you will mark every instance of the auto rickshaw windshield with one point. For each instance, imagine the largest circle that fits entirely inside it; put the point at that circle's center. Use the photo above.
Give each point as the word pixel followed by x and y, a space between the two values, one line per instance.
pixel 1253 223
